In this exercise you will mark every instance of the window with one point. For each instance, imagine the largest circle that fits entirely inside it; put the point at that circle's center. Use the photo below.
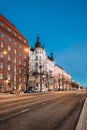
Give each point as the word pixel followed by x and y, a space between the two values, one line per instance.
pixel 9 39
pixel 9 67
pixel 19 79
pixel 24 79
pixel 1 76
pixel 20 45
pixel 2 34
pixel 40 57
pixel 1 23
pixel 36 51
pixel 1 54
pixel 36 64
pixel 20 38
pixel 8 76
pixel 14 69
pixel 15 33
pixel 9 48
pixel 19 70
pixel 9 58
pixel 25 57
pixel 24 63
pixel 14 60
pixel 20 54
pixel 24 41
pixel 20 62
pixel 36 57
pixel 15 51
pixel 9 29
pixel 1 44
pixel 15 43
pixel 14 77
pixel 1 65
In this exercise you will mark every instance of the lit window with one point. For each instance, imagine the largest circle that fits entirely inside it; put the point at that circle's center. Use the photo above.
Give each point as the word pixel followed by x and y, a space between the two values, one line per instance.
pixel 1 44
pixel 8 76
pixel 20 38
pixel 1 76
pixel 9 39
pixel 1 65
pixel 9 58
pixel 24 41
pixel 20 62
pixel 9 48
pixel 14 77
pixel 20 70
pixel 9 67
pixel 9 29
pixel 20 53
pixel 14 69
pixel 1 54
pixel 2 34
pixel 14 60
pixel 15 51
pixel 15 33
pixel 1 23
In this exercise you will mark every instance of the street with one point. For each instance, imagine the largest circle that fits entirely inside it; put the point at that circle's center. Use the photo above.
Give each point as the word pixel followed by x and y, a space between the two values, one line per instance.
pixel 44 111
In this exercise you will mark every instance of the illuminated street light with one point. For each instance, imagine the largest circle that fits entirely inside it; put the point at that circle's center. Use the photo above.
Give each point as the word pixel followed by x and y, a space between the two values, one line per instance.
pixel 27 66
pixel 5 52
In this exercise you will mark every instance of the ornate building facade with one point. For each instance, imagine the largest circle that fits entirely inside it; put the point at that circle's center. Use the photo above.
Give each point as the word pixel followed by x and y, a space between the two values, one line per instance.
pixel 44 73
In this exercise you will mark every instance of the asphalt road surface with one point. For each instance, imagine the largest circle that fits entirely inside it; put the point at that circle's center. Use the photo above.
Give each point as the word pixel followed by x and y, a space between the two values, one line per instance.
pixel 45 111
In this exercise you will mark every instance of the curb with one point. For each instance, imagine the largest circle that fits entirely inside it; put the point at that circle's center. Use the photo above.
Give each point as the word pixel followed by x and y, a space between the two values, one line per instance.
pixel 81 122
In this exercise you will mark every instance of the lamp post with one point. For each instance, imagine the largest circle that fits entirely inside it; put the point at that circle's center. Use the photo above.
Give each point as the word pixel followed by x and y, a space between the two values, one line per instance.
pixel 27 66
pixel 4 62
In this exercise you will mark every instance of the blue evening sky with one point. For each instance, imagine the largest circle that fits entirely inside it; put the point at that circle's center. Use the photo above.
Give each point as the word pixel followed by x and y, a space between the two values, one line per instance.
pixel 62 25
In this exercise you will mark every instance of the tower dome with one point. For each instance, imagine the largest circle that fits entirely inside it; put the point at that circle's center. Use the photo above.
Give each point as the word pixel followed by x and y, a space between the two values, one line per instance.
pixel 38 43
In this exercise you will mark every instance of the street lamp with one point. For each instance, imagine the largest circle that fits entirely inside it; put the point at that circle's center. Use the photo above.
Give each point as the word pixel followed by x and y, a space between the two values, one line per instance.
pixel 27 66
pixel 4 73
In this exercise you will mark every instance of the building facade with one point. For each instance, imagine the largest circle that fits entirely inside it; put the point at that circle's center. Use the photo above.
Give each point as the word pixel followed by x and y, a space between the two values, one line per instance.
pixel 14 56
pixel 44 73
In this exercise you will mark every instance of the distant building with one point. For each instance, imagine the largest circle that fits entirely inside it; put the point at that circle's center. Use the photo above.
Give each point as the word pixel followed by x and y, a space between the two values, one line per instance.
pixel 44 74
pixel 14 51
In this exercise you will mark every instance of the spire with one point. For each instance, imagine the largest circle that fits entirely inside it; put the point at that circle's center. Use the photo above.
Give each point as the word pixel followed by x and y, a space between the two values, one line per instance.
pixel 38 43
pixel 51 57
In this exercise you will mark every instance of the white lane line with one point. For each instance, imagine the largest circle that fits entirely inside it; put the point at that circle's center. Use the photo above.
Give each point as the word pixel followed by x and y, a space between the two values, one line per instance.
pixel 15 114
pixel 43 103
pixel 25 110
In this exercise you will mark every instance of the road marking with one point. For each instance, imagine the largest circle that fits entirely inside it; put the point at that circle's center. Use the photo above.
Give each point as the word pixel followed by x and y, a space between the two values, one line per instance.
pixel 15 114
pixel 25 110
pixel 43 103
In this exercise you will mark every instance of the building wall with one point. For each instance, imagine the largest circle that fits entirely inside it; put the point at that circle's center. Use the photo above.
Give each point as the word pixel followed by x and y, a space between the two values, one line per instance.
pixel 13 55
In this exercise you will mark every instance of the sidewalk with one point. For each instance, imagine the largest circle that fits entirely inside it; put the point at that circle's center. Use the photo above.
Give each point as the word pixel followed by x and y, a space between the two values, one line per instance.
pixel 5 95
pixel 82 123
